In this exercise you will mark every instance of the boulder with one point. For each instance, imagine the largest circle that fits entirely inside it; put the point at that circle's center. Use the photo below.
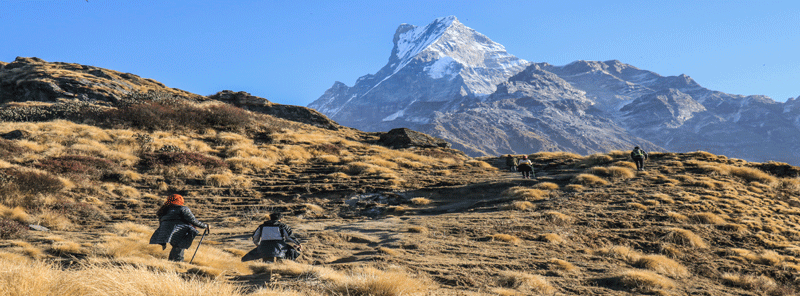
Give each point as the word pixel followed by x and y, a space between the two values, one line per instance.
pixel 406 138
pixel 15 135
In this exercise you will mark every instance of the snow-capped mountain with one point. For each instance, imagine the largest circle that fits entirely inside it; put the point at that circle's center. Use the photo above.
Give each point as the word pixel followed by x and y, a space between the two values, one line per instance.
pixel 447 80
pixel 434 68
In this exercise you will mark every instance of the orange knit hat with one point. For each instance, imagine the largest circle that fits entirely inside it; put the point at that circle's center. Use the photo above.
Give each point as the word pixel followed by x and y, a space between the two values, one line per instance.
pixel 174 199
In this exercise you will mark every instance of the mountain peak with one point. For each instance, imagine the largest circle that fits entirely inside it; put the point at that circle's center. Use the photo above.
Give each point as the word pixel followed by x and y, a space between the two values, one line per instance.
pixel 410 40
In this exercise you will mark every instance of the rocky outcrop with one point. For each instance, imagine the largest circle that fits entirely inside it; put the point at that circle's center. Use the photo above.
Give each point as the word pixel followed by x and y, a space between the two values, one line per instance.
pixel 33 79
pixel 406 138
pixel 294 113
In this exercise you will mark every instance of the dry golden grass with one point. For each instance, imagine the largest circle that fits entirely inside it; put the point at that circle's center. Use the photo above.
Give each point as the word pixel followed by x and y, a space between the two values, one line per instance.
pixel 27 277
pixel 66 248
pixel 546 186
pixel 505 238
pixel 662 265
pixel 480 164
pixel 677 217
pixel 589 180
pixel 573 188
pixel 558 218
pixel 53 220
pixel 623 253
pixel 552 238
pixel 645 280
pixel 684 237
pixel 625 164
pixel 250 165
pixel 637 206
pixel 759 283
pixel 421 201
pixel 536 284
pixel 17 213
pixel 220 180
pixel 707 218
pixel 550 156
pixel 368 281
pixel 597 159
pixel 518 205
pixel 528 194
pixel 558 264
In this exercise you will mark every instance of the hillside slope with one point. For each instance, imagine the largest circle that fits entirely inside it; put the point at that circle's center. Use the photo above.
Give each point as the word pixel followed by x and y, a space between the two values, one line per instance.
pixel 374 220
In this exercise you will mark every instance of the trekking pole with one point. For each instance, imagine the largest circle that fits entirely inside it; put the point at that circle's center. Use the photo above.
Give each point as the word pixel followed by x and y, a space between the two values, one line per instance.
pixel 198 245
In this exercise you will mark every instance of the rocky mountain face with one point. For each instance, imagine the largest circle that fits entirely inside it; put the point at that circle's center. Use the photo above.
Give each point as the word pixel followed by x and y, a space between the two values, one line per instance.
pixel 449 81
pixel 431 70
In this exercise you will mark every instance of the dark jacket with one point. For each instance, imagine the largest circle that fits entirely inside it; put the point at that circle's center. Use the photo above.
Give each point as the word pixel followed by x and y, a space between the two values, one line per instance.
pixel 274 247
pixel 638 153
pixel 176 227
pixel 511 161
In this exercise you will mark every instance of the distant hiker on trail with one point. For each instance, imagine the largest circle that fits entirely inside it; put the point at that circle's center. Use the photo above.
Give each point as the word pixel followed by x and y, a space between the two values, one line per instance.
pixel 525 166
pixel 511 162
pixel 176 226
pixel 639 156
pixel 271 237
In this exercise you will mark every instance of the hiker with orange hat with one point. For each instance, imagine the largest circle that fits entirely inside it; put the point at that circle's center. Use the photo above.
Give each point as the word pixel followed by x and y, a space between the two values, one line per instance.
pixel 176 226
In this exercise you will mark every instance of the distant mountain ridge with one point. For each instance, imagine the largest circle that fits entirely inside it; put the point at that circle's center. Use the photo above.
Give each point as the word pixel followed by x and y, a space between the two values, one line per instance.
pixel 450 81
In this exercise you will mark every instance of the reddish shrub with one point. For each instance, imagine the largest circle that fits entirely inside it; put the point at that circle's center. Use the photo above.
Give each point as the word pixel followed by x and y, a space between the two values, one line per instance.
pixel 157 116
pixel 226 117
pixel 83 166
pixel 329 148
pixel 12 180
pixel 10 229
pixel 9 148
pixel 150 160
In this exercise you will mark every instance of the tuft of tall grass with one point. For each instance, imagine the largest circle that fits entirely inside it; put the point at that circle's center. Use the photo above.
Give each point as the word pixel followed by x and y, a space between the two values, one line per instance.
pixel 524 193
pixel 505 238
pixel 684 237
pixel 662 265
pixel 518 205
pixel 644 280
pixel 589 180
pixel 525 281
pixel 546 186
pixel 369 281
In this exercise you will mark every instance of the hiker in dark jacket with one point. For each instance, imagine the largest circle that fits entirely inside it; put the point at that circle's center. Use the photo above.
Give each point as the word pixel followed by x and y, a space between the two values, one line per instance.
pixel 639 156
pixel 525 166
pixel 511 162
pixel 272 236
pixel 176 226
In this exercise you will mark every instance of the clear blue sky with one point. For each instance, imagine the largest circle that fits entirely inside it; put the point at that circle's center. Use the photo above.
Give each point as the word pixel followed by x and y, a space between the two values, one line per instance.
pixel 290 52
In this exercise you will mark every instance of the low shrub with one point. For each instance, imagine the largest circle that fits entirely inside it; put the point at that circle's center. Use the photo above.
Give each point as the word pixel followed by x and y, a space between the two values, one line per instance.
pixel 9 148
pixel 13 181
pixel 154 115
pixel 11 229
pixel 77 165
